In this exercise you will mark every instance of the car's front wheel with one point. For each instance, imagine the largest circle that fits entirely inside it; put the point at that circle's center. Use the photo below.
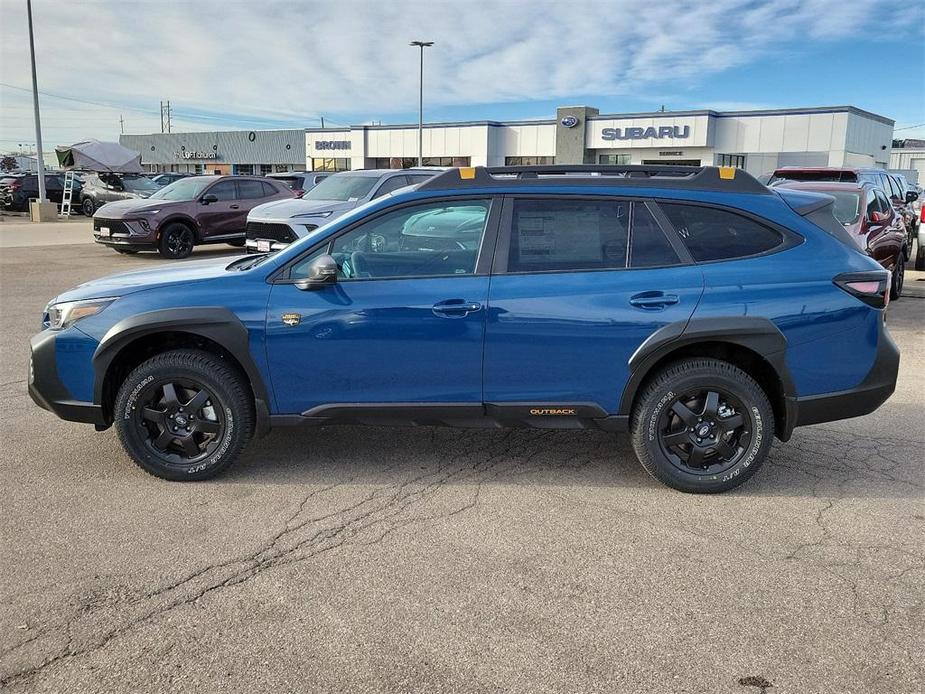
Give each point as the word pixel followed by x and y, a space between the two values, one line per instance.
pixel 177 241
pixel 88 207
pixel 702 425
pixel 184 415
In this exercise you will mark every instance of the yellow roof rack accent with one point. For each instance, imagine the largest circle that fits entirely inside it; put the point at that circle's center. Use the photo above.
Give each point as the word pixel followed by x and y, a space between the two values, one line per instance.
pixel 467 172
pixel 727 173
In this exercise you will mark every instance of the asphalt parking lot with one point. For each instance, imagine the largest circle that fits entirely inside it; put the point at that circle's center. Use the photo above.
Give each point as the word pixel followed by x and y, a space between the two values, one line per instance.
pixel 442 560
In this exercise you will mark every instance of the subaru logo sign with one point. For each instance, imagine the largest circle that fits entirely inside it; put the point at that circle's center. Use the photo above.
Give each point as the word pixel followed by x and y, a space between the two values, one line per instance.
pixel 569 122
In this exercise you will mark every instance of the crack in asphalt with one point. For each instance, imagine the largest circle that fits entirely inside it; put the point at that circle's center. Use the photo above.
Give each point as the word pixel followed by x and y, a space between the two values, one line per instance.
pixel 301 537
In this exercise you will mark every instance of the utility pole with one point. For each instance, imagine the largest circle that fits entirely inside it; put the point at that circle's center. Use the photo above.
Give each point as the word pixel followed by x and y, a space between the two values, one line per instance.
pixel 162 117
pixel 168 115
pixel 422 45
pixel 35 103
pixel 121 124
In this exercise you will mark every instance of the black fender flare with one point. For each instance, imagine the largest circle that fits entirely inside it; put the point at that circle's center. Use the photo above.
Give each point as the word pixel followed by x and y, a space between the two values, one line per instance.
pixel 756 334
pixel 215 323
pixel 183 219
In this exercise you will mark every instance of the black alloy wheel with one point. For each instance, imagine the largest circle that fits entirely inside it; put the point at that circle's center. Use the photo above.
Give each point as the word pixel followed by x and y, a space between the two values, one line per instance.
pixel 177 241
pixel 704 432
pixel 899 277
pixel 184 414
pixel 181 423
pixel 88 207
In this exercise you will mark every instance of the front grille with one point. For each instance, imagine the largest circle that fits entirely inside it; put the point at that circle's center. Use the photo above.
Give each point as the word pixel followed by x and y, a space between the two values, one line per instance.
pixel 275 232
pixel 116 226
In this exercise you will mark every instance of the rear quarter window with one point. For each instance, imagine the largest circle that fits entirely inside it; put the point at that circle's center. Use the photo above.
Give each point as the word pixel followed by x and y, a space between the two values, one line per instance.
pixel 715 234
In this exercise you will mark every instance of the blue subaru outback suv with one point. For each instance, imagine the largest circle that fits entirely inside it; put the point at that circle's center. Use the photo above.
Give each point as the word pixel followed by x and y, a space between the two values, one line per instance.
pixel 695 308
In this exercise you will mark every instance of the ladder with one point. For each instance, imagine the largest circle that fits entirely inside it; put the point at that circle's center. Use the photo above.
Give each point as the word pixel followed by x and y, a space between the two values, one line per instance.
pixel 68 192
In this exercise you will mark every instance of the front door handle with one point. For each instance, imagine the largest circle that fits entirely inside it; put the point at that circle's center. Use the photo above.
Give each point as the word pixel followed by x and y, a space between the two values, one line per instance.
pixel 654 300
pixel 455 308
pixel 234 207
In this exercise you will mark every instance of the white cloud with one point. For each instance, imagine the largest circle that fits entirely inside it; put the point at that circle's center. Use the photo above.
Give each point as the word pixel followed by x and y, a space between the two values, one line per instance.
pixel 290 61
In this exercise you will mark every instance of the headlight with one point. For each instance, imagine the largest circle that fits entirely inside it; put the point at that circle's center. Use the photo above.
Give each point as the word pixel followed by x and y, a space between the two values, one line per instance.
pixel 314 214
pixel 147 211
pixel 60 316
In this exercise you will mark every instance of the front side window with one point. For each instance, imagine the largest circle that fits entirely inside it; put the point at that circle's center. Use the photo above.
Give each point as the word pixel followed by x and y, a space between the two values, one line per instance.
pixel 873 205
pixel 435 239
pixel 714 234
pixel 568 235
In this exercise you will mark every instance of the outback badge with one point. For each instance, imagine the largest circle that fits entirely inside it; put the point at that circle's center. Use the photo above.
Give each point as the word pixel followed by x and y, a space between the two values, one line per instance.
pixel 292 318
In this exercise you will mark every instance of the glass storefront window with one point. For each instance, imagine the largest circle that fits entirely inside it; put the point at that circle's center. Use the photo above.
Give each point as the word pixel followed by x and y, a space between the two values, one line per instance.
pixel 410 162
pixel 331 164
pixel 736 160
pixel 613 159
pixel 529 161
pixel 266 169
pixel 244 169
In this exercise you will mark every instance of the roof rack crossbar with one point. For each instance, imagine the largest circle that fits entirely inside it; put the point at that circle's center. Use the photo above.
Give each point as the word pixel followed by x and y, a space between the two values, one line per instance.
pixel 707 178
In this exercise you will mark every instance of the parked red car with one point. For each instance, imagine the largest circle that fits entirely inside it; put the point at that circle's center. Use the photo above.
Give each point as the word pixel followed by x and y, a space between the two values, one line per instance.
pixel 188 212
pixel 871 220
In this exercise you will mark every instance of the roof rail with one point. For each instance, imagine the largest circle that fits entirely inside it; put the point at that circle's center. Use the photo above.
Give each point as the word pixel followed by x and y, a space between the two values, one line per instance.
pixel 725 179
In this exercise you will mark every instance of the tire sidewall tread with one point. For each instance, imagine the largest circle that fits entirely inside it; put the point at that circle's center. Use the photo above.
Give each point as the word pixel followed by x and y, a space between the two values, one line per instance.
pixel 225 381
pixel 680 377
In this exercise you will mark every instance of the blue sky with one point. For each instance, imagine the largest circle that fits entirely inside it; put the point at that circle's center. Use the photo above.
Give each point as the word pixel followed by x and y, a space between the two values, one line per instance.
pixel 235 64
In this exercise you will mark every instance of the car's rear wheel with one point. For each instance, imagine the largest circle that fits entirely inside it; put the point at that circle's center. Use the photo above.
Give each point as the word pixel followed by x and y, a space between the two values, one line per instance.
pixel 702 426
pixel 920 258
pixel 184 415
pixel 899 277
pixel 177 241
pixel 88 207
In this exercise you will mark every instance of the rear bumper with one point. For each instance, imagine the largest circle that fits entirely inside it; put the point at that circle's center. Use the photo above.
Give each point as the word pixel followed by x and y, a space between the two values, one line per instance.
pixel 47 390
pixel 866 397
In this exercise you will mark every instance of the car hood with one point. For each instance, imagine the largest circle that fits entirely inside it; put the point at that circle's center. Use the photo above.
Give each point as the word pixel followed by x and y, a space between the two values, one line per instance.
pixel 291 207
pixel 149 278
pixel 126 208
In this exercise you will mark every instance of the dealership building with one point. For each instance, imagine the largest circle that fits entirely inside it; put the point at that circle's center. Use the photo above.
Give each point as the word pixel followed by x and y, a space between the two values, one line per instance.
pixel 757 141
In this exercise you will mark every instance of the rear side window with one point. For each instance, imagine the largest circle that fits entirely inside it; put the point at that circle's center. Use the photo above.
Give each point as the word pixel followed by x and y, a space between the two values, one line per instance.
pixel 249 190
pixel 650 246
pixel 713 234
pixel 568 235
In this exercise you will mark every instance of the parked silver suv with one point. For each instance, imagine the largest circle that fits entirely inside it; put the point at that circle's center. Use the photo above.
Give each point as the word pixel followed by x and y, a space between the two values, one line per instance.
pixel 274 225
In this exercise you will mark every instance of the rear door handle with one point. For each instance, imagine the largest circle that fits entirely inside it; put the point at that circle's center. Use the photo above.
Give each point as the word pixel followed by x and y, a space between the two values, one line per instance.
pixel 654 300
pixel 455 308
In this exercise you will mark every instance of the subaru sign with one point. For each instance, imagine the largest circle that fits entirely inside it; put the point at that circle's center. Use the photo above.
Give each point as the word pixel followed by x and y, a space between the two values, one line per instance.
pixel 676 132
pixel 569 121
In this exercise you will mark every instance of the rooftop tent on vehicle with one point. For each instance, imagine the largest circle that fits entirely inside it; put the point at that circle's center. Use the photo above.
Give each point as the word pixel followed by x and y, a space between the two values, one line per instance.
pixel 93 155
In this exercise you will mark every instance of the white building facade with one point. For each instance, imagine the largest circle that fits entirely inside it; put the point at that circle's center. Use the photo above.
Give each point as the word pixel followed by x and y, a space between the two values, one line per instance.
pixel 757 141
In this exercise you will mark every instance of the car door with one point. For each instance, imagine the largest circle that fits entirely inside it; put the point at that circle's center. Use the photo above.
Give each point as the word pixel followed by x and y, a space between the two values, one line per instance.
pixel 403 325
pixel 223 217
pixel 578 284
pixel 250 194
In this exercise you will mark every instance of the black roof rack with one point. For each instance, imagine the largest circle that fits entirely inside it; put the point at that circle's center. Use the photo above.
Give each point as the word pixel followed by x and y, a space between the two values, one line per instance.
pixel 708 178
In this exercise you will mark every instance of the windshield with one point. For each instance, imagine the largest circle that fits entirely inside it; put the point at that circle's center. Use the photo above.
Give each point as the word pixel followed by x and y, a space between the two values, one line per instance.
pixel 809 175
pixel 184 189
pixel 139 184
pixel 847 206
pixel 342 188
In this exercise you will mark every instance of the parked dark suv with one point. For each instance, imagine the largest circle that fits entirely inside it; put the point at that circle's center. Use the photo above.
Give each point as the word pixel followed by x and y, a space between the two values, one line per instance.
pixel 692 307
pixel 191 211
pixel 17 191
pixel 100 188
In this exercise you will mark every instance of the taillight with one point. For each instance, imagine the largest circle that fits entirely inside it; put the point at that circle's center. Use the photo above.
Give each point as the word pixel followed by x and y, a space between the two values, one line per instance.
pixel 873 288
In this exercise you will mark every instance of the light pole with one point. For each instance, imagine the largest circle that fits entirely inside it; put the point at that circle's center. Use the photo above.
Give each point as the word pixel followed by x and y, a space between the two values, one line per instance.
pixel 422 45
pixel 35 103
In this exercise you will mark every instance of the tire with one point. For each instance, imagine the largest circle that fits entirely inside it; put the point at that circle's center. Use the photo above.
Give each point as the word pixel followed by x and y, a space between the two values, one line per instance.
pixel 88 207
pixel 898 277
pixel 920 258
pixel 177 241
pixel 184 390
pixel 238 243
pixel 126 251
pixel 694 394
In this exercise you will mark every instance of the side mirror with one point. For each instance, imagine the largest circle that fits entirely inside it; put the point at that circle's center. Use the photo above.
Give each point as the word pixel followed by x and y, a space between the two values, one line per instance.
pixel 208 199
pixel 877 217
pixel 911 196
pixel 321 273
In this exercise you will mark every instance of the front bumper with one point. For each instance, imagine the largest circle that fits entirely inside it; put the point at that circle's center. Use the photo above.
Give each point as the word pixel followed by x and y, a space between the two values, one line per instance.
pixel 124 233
pixel 263 245
pixel 866 397
pixel 47 390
